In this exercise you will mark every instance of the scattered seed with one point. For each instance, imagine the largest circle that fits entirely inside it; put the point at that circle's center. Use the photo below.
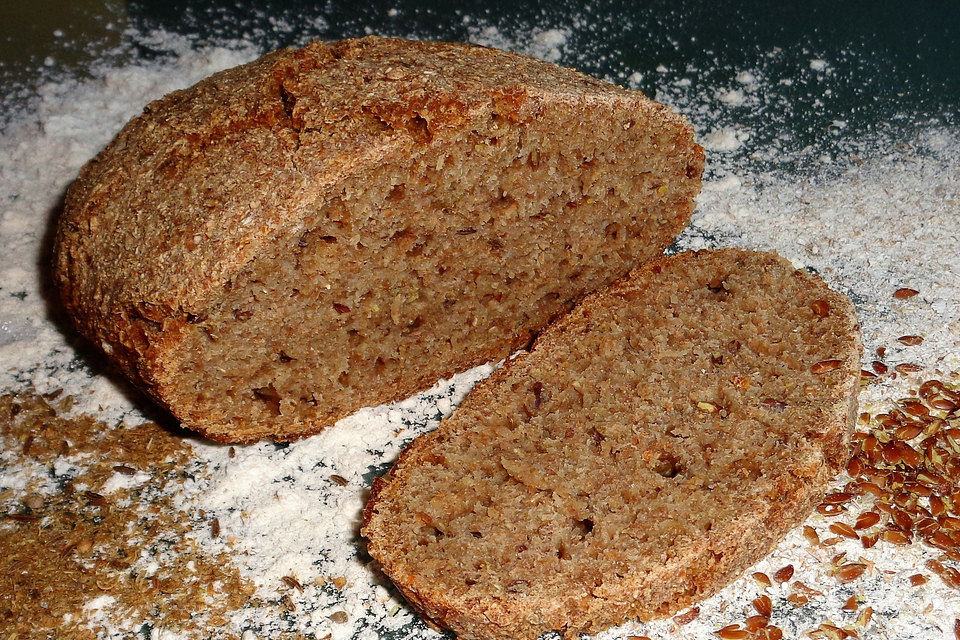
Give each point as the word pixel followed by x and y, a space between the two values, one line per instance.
pixel 825 365
pixel 762 578
pixel 941 541
pixel 865 616
pixel 800 587
pixel 850 571
pixel 854 467
pixel 910 341
pixel 917 579
pixel 783 574
pixel 909 431
pixel 936 506
pixel 339 582
pixel 340 617
pixel 232 452
pixel 293 583
pixel 687 616
pixel 845 530
pixel 215 528
pixel 763 605
pixel 772 633
pixel 810 534
pixel 830 509
pixel 943 404
pixel 732 632
pixel 866 519
pixel 916 408
pixel 870 487
pixel 902 519
pixel 903 293
pixel 851 604
pixel 927 526
pixel 895 537
pixel 949 575
pixel 340 480
pixel 125 470
pixel 755 623
pixel 869 541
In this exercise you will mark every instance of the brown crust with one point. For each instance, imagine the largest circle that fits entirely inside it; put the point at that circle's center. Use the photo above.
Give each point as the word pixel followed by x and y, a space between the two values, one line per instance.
pixel 148 237
pixel 503 617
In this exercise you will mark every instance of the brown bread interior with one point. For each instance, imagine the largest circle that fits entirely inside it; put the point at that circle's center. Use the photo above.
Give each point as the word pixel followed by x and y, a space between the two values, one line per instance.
pixel 657 441
pixel 428 265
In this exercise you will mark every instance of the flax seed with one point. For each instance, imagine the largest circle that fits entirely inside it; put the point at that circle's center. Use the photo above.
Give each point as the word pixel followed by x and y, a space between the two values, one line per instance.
pixel 763 606
pixel 687 616
pixel 732 632
pixel 783 574
pixel 904 293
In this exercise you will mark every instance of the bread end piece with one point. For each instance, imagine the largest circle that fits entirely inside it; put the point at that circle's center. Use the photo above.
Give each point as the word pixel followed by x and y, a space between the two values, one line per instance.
pixel 655 443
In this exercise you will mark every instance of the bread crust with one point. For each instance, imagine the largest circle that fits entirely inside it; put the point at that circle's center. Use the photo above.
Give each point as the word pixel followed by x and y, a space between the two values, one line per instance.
pixel 683 580
pixel 190 192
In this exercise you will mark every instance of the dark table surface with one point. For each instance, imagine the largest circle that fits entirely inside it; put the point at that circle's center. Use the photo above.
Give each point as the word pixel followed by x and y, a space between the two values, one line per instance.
pixel 887 57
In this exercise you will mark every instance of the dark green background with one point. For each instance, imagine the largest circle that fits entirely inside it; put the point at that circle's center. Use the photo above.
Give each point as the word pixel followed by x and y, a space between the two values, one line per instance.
pixel 896 61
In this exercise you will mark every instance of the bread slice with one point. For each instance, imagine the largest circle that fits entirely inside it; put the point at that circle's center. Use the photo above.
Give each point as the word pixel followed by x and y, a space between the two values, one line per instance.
pixel 341 225
pixel 655 442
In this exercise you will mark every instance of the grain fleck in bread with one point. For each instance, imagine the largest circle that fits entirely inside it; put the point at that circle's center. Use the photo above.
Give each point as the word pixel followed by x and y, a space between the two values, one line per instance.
pixel 656 441
pixel 341 225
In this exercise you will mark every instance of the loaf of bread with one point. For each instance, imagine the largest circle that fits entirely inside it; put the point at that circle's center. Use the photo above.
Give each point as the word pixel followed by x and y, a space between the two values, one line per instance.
pixel 656 442
pixel 341 225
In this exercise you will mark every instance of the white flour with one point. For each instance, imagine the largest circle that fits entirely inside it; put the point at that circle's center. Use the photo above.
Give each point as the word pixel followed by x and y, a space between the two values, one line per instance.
pixel 880 215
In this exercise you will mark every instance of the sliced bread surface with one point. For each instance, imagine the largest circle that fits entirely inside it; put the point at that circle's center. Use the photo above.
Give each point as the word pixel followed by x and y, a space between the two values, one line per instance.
pixel 653 444
pixel 340 225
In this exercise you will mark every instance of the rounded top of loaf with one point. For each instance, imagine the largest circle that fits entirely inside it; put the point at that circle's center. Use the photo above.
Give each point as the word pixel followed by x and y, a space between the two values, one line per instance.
pixel 188 191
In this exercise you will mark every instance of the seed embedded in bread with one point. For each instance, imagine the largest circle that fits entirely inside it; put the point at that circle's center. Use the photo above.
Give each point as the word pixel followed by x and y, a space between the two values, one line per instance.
pixel 341 225
pixel 586 483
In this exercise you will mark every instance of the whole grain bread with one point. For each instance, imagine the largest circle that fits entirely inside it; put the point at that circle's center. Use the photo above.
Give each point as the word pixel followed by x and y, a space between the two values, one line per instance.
pixel 341 225
pixel 656 441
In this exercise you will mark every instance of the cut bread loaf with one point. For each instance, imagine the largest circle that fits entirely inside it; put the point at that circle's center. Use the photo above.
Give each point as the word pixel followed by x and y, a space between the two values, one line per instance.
pixel 343 224
pixel 656 442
